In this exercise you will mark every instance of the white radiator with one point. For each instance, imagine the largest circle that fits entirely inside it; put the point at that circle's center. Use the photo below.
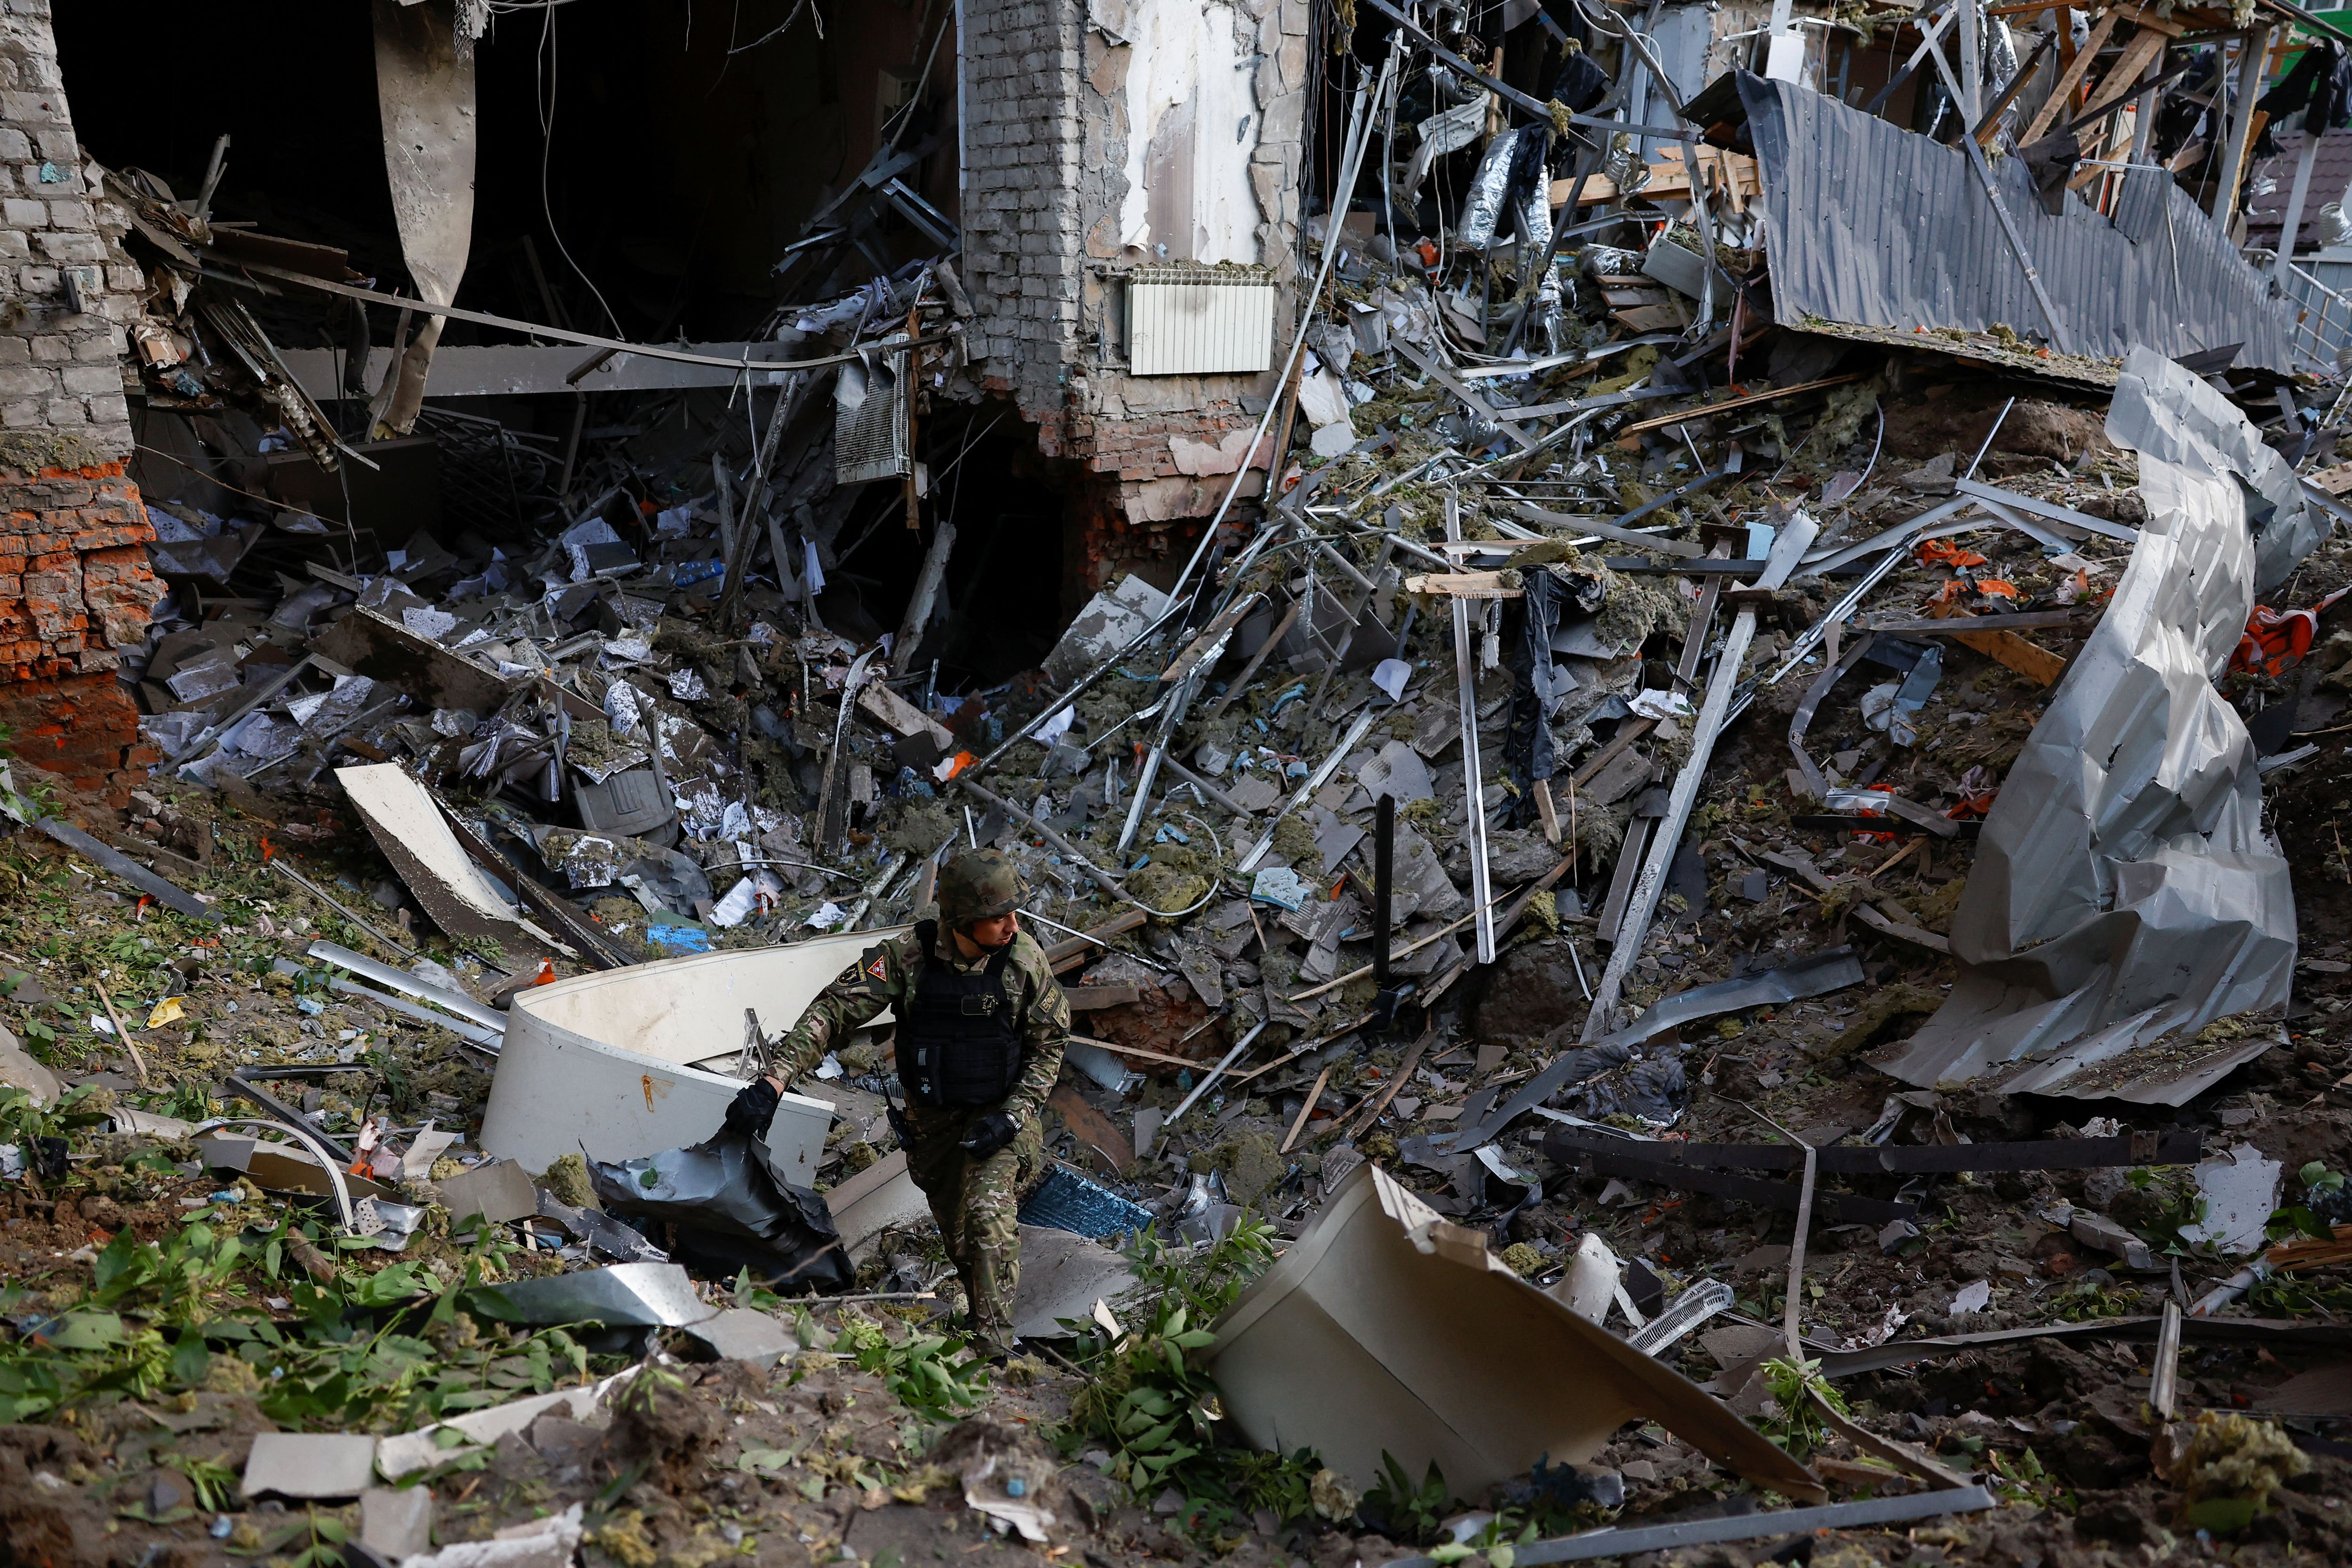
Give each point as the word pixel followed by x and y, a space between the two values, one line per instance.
pixel 1196 320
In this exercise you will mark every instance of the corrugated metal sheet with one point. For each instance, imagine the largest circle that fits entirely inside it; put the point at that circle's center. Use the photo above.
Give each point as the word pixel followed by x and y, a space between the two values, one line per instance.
pixel 1874 225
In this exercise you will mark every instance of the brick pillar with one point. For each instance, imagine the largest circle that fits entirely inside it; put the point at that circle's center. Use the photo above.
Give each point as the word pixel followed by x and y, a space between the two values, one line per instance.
pixel 1024 244
pixel 75 586
pixel 1051 128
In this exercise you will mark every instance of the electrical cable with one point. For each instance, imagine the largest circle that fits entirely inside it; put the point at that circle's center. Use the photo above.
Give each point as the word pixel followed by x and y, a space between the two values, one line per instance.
pixel 548 79
pixel 733 50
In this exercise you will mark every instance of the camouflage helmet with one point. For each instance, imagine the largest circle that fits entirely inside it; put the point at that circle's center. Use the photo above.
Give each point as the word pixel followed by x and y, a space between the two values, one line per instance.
pixel 978 885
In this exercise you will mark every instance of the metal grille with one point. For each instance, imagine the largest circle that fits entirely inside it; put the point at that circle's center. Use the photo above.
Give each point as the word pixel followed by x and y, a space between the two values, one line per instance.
pixel 869 422
pixel 1198 321
pixel 2323 316
pixel 494 481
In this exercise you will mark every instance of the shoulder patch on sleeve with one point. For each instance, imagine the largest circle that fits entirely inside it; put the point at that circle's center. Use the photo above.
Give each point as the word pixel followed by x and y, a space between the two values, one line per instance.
pixel 878 967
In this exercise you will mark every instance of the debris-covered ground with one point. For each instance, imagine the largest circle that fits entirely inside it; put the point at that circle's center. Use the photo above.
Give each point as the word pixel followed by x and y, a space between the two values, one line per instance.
pixel 1845 1054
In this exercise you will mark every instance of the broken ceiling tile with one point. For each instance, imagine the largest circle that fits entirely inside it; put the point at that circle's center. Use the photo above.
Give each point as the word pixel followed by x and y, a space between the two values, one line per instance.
pixel 309 1464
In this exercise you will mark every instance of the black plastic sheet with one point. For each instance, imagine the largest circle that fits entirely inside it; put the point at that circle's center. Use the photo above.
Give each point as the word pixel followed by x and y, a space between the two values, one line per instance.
pixel 729 1214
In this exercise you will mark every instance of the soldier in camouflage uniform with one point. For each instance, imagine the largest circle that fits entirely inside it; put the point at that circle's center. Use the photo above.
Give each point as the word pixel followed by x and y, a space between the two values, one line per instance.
pixel 981 1025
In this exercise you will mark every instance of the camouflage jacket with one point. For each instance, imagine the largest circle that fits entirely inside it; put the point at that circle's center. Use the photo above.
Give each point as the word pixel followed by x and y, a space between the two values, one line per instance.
pixel 886 975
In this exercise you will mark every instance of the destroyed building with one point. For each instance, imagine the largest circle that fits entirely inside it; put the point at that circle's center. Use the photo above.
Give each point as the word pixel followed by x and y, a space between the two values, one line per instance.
pixel 1668 684
pixel 1157 150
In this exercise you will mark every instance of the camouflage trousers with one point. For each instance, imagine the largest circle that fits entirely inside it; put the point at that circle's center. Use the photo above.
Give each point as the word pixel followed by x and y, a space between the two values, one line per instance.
pixel 974 1201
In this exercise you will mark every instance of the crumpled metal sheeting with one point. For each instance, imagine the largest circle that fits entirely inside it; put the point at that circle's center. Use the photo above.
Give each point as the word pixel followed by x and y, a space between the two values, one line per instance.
pixel 1815 974
pixel 1614 1078
pixel 2162 411
pixel 2125 889
pixel 1487 213
pixel 1875 225
pixel 634 1295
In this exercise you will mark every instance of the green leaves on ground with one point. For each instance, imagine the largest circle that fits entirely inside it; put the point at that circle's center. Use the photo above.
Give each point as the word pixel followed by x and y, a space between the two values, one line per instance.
pixel 926 1373
pixel 1793 1384
pixel 1406 1512
pixel 1149 1404
pixel 384 1350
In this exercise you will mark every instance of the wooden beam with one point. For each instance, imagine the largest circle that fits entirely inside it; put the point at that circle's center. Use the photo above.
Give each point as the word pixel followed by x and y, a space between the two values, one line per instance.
pixel 2126 71
pixel 901 717
pixel 1730 405
pixel 2030 659
pixel 1462 585
pixel 2023 620
pixel 2140 16
pixel 2068 80
pixel 1990 125
pixel 1670 176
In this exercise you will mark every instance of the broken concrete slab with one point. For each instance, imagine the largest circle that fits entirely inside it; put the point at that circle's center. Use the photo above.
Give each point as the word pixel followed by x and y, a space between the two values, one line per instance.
pixel 436 1443
pixel 2240 1192
pixel 553 1541
pixel 396 1521
pixel 19 1070
pixel 2097 1230
pixel 878 1198
pixel 496 1191
pixel 368 643
pixel 1111 620
pixel 1397 770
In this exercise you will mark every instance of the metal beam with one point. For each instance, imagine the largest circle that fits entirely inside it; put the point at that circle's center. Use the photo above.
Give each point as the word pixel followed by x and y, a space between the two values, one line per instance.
pixel 509 370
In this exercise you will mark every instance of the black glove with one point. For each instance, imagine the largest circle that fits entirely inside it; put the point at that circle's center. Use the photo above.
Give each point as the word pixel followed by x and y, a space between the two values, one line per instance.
pixel 990 1133
pixel 752 1108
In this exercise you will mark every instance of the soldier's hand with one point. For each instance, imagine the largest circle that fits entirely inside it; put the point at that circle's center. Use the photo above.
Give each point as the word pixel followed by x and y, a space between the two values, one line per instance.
pixel 754 1107
pixel 990 1133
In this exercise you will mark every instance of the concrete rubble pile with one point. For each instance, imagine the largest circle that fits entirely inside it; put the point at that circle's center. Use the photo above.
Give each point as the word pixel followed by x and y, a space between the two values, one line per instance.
pixel 1706 908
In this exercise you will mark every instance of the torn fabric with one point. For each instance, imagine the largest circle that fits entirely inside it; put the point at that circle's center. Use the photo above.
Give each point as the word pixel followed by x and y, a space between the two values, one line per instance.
pixel 2125 894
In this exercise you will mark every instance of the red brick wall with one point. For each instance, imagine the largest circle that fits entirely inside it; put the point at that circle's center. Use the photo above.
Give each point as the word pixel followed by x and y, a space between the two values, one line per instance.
pixel 75 591
pixel 82 728
pixel 74 587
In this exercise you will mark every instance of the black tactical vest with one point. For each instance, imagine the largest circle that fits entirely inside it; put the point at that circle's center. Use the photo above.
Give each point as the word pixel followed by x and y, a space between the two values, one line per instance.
pixel 958 1043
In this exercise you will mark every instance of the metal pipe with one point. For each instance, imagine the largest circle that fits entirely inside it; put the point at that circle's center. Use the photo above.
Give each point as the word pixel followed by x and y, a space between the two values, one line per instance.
pixel 1383 855
pixel 1635 925
pixel 1474 805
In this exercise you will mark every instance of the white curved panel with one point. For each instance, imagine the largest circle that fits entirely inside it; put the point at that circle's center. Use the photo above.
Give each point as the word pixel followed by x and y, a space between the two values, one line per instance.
pixel 600 1062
